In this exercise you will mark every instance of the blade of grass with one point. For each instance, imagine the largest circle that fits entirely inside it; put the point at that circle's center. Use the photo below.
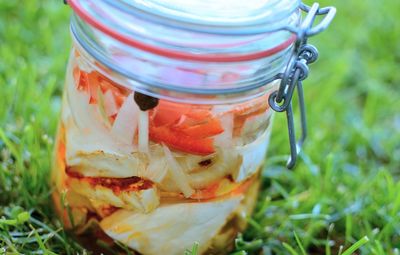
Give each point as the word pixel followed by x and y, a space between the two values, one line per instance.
pixel 299 243
pixel 290 248
pixel 356 246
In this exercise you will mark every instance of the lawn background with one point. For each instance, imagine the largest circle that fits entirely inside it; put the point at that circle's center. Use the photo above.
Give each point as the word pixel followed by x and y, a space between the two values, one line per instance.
pixel 344 188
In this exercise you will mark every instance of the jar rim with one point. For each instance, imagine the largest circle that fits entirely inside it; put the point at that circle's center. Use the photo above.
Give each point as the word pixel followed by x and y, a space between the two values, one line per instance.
pixel 237 18
pixel 84 13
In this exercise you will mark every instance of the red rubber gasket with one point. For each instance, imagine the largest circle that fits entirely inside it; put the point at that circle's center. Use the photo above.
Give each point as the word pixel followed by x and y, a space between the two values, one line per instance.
pixel 77 7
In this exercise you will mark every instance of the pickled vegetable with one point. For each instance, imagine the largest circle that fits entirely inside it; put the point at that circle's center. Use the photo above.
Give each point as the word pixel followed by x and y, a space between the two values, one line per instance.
pixel 132 167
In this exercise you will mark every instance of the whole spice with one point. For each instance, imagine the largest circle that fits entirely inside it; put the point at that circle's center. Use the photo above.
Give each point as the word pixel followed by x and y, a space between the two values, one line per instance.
pixel 145 102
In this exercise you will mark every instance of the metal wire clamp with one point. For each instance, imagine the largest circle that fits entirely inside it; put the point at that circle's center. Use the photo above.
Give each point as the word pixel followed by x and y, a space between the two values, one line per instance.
pixel 297 71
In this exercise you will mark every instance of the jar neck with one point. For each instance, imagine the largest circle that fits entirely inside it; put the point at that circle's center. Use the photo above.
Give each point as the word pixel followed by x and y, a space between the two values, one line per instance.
pixel 91 63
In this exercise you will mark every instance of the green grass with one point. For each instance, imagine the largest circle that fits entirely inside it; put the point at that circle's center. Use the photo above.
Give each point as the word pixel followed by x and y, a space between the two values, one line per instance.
pixel 344 191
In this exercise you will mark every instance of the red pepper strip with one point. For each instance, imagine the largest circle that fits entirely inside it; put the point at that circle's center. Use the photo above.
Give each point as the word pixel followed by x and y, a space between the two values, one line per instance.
pixel 199 114
pixel 167 113
pixel 76 74
pixel 178 141
pixel 81 80
pixel 106 84
pixel 90 82
pixel 93 87
pixel 210 127
pixel 184 127
pixel 86 82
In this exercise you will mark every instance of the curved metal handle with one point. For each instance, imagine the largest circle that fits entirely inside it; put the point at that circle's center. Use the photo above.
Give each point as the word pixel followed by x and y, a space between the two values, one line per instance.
pixel 329 13
pixel 307 29
pixel 297 71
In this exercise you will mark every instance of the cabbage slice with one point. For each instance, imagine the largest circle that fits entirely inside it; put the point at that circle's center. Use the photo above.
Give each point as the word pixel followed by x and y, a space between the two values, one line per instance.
pixel 144 200
pixel 90 146
pixel 171 228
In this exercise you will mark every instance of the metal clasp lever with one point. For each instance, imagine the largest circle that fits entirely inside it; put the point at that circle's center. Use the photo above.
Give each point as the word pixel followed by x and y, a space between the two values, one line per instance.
pixel 297 71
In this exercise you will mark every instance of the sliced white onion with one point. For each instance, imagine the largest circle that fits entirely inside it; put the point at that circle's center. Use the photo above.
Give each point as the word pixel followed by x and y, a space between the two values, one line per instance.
pixel 144 131
pixel 225 162
pixel 225 139
pixel 157 169
pixel 125 125
pixel 85 115
pixel 254 124
pixel 101 108
pixel 177 173
pixel 253 156
pixel 109 103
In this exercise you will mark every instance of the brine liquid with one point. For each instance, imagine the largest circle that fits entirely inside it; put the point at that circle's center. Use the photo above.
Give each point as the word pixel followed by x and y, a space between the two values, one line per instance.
pixel 155 180
pixel 95 239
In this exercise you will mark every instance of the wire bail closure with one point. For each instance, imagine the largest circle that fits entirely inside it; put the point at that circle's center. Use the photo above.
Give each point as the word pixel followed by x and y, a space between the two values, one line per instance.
pixel 296 71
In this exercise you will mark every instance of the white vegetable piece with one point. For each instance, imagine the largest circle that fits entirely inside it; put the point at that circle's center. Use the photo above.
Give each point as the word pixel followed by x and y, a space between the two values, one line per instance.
pixel 225 139
pixel 253 156
pixel 144 131
pixel 177 173
pixel 139 200
pixel 157 168
pixel 109 103
pixel 89 144
pixel 84 115
pixel 171 228
pixel 106 164
pixel 125 125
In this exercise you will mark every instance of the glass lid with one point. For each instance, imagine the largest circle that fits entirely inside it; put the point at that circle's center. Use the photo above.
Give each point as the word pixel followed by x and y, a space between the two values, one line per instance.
pixel 219 16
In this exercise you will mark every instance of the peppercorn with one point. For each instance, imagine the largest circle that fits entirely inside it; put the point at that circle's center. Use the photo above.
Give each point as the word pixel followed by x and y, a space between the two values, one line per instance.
pixel 145 102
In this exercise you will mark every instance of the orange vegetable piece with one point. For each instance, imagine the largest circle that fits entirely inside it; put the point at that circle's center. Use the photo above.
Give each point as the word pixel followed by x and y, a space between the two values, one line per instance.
pixel 208 193
pixel 81 80
pixel 184 127
pixel 178 141
pixel 221 188
pixel 91 82
pixel 247 110
pixel 167 113
pixel 209 127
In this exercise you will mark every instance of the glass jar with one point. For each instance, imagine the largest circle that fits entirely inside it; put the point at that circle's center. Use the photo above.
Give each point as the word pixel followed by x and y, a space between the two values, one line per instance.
pixel 166 119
